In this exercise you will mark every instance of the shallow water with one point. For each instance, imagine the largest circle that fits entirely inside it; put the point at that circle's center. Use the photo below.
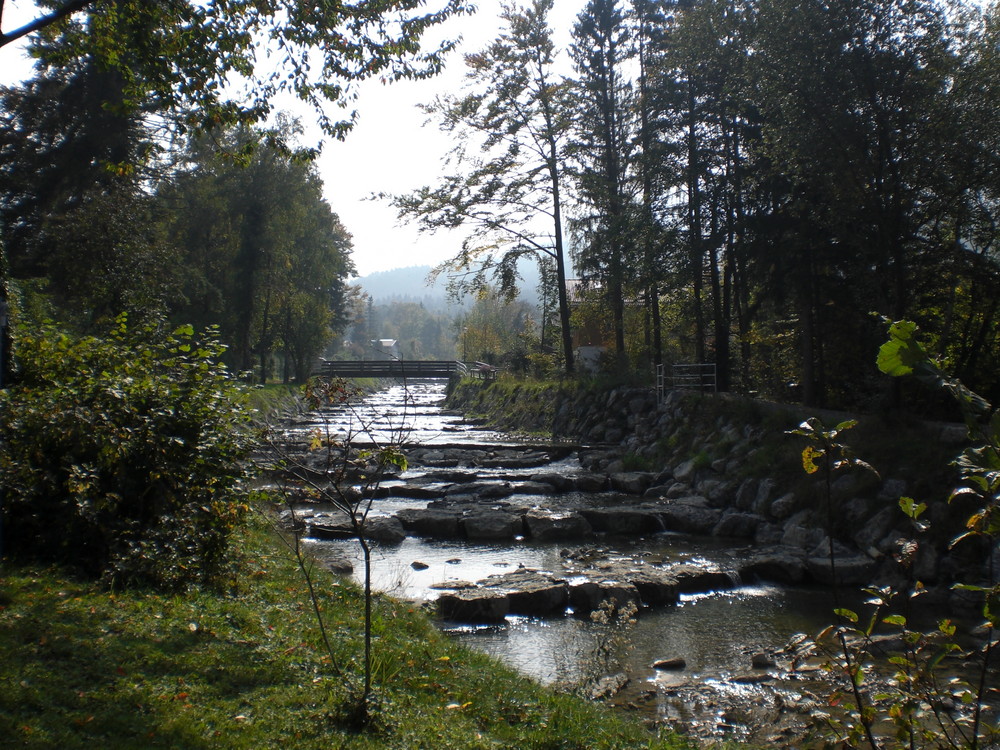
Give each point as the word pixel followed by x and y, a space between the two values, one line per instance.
pixel 716 633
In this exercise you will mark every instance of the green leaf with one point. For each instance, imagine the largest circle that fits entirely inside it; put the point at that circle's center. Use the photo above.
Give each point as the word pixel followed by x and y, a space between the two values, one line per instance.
pixel 901 353
pixel 911 507
pixel 847 614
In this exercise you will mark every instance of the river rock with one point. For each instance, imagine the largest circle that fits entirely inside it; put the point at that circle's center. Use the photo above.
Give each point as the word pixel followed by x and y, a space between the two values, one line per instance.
pixel 533 488
pixel 609 686
pixel 737 525
pixel 689 514
pixel 475 488
pixel 629 521
pixel 494 491
pixel 763 499
pixel 339 565
pixel 546 525
pixel 587 595
pixel 631 482
pixel 657 491
pixel 492 524
pixel 674 664
pixel 473 605
pixel 876 528
pixel 330 529
pixel 589 482
pixel 678 490
pixel 656 587
pixel 767 534
pixel 850 571
pixel 430 522
pixel 746 494
pixel 531 592
pixel 783 507
pixel 778 565
pixel 419 492
pixel 718 491
pixel 697 579
pixel 559 482
pixel 685 471
pixel 384 529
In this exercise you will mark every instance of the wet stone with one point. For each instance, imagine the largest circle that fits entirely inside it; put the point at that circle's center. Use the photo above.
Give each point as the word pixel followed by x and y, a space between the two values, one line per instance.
pixel 631 482
pixel 623 520
pixel 696 579
pixel 492 525
pixel 473 605
pixel 588 595
pixel 430 522
pixel 546 525
pixel 531 593
pixel 778 565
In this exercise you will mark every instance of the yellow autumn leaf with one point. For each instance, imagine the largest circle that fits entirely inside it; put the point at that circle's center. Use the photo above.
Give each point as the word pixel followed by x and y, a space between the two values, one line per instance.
pixel 809 456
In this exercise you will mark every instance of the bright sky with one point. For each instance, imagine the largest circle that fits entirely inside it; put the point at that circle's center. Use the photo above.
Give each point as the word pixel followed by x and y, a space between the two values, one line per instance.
pixel 390 149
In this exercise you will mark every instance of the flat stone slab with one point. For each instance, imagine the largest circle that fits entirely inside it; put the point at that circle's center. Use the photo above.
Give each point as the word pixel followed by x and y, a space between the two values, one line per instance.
pixel 431 522
pixel 473 605
pixel 625 521
pixel 547 525
pixel 492 524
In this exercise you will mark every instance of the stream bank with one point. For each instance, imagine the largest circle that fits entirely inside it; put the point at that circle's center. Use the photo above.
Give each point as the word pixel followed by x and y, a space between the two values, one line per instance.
pixel 732 458
pixel 610 568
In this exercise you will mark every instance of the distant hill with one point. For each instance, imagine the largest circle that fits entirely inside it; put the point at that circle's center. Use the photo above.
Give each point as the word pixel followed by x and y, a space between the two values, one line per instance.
pixel 410 285
pixel 405 284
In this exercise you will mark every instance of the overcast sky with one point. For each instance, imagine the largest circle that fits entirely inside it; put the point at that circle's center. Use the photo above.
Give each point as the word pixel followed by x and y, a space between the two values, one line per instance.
pixel 390 149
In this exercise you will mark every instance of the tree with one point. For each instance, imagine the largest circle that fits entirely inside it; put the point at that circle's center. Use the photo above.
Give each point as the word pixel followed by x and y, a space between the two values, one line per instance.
pixel 266 258
pixel 855 104
pixel 604 134
pixel 508 192
pixel 185 55
pixel 73 203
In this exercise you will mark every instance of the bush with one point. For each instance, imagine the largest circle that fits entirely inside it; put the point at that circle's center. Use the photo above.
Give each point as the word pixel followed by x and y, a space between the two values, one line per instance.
pixel 123 455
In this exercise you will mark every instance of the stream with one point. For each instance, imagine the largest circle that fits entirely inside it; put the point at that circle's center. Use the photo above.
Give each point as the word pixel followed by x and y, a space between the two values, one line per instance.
pixel 729 677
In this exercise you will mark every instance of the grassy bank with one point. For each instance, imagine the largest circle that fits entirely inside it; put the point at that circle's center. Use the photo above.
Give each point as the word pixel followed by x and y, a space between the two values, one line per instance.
pixel 81 667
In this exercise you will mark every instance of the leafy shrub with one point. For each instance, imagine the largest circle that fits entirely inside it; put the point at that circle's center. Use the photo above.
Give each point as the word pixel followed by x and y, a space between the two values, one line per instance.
pixel 123 455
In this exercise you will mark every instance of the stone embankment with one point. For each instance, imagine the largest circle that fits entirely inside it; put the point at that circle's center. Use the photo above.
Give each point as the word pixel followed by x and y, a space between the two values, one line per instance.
pixel 726 467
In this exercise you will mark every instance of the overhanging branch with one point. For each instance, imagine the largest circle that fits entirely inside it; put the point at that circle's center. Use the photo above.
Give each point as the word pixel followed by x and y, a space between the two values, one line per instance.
pixel 41 22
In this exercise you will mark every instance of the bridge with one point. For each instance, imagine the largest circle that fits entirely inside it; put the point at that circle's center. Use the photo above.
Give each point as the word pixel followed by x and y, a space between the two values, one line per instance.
pixel 399 368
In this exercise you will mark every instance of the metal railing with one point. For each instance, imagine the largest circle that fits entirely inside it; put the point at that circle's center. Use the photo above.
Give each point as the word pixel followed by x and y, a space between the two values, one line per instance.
pixel 699 377
pixel 388 368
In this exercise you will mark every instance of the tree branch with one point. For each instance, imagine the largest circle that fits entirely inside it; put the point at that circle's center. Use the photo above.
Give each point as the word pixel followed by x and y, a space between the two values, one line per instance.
pixel 41 22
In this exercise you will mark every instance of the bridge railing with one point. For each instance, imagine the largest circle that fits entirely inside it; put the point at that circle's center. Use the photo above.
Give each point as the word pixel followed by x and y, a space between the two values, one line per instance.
pixel 387 368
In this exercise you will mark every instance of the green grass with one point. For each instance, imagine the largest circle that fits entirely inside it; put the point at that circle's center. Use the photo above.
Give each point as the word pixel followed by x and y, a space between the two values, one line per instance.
pixel 81 667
